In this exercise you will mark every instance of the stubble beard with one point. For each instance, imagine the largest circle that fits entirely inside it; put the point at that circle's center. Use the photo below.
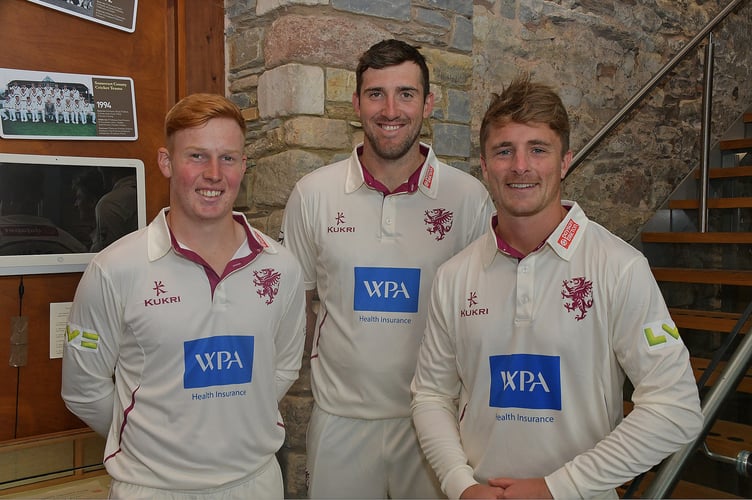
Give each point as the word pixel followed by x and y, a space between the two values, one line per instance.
pixel 394 152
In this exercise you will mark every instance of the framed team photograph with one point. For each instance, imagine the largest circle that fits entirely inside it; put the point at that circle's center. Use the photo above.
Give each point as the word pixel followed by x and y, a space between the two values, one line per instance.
pixel 119 14
pixel 46 105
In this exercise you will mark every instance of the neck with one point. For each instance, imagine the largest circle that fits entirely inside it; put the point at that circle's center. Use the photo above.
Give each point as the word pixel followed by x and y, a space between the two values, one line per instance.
pixel 215 241
pixel 392 173
pixel 526 233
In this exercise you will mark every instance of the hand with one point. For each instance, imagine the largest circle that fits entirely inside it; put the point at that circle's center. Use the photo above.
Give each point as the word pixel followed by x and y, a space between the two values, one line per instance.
pixel 521 488
pixel 482 491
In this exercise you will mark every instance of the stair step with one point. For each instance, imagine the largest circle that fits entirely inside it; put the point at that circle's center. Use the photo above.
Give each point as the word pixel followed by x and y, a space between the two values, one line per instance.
pixel 699 365
pixel 747 117
pixel 740 202
pixel 726 172
pixel 693 237
pixel 713 321
pixel 683 489
pixel 725 438
pixel 704 276
pixel 736 144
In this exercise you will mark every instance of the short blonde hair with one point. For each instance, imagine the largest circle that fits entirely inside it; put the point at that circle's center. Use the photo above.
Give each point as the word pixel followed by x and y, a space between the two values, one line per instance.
pixel 524 101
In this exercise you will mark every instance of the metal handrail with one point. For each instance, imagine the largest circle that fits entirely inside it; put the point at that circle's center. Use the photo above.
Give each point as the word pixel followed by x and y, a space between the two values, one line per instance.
pixel 668 473
pixel 630 105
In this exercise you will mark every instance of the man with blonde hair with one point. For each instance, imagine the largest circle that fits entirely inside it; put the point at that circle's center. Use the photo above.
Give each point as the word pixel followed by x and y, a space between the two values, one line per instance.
pixel 533 329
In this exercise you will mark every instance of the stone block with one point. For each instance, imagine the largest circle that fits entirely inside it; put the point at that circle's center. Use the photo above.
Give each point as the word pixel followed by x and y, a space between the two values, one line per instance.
pixel 432 18
pixel 451 140
pixel 326 40
pixel 292 89
pixel 387 9
pixel 340 85
pixel 296 412
pixel 244 48
pixel 458 106
pixel 317 133
pixel 266 6
pixel 449 68
pixel 276 175
pixel 462 35
pixel 462 7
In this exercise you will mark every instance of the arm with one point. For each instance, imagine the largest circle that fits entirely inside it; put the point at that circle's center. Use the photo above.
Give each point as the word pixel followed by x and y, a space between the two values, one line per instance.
pixel 91 350
pixel 310 327
pixel 295 236
pixel 290 337
pixel 667 412
pixel 435 388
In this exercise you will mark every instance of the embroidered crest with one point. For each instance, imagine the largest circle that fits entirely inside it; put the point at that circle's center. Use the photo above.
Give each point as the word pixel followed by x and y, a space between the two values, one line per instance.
pixel 439 222
pixel 268 282
pixel 579 292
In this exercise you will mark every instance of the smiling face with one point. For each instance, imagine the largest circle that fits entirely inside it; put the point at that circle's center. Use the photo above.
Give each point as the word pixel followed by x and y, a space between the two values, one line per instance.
pixel 391 106
pixel 205 165
pixel 523 165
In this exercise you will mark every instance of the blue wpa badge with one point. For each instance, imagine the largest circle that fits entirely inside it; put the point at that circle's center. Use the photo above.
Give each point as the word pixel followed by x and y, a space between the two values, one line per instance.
pixel 386 289
pixel 222 360
pixel 528 381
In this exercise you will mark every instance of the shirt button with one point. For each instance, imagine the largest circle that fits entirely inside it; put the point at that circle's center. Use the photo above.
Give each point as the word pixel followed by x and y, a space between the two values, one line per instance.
pixel 388 220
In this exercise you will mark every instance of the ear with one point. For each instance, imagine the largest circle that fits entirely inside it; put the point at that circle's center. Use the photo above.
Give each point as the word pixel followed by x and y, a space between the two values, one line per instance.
pixel 484 168
pixel 428 105
pixel 565 163
pixel 356 103
pixel 164 163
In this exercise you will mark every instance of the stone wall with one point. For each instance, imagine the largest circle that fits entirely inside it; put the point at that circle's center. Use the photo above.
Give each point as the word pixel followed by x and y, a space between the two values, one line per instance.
pixel 290 67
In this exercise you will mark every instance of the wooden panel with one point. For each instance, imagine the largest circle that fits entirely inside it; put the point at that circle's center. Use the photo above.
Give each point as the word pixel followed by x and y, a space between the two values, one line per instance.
pixel 58 42
pixel 200 50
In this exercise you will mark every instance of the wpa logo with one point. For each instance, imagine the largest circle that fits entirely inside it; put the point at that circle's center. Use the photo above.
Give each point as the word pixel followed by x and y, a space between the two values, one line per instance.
pixel 386 289
pixel 222 360
pixel 528 381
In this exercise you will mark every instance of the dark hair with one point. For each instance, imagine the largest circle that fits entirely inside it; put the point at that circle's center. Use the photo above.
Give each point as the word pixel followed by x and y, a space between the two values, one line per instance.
pixel 391 53
pixel 524 101
pixel 197 109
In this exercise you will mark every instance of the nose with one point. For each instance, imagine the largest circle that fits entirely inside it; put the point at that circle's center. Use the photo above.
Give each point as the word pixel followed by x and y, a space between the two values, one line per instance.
pixel 519 163
pixel 390 108
pixel 212 170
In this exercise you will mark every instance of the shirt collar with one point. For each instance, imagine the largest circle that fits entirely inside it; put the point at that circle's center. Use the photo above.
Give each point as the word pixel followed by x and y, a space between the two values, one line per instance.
pixel 424 179
pixel 160 237
pixel 564 240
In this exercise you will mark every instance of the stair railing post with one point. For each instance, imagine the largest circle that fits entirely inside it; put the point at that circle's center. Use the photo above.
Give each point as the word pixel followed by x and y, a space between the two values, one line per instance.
pixel 707 105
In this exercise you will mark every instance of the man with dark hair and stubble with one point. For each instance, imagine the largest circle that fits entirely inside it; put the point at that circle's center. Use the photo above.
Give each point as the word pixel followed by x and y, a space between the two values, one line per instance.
pixel 370 232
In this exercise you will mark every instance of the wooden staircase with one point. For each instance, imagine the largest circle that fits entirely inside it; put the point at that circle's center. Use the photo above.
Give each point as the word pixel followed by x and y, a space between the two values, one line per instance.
pixel 706 279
